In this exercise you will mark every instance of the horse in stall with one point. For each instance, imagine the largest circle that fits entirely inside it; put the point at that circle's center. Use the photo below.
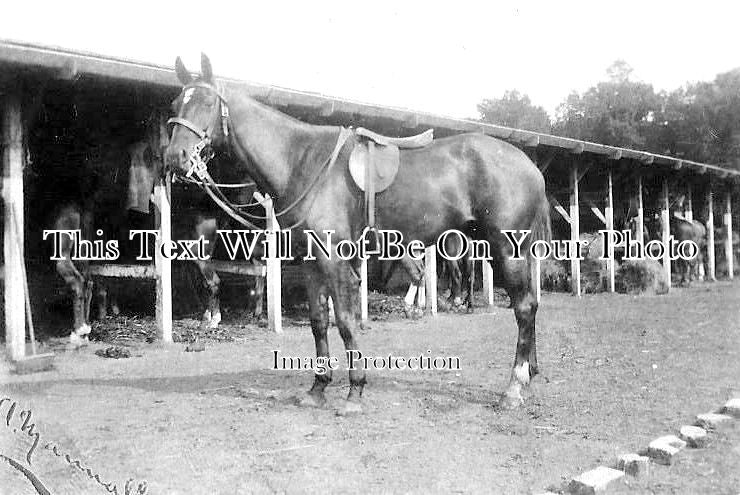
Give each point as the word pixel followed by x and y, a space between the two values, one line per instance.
pixel 683 229
pixel 102 193
pixel 471 182
pixel 459 276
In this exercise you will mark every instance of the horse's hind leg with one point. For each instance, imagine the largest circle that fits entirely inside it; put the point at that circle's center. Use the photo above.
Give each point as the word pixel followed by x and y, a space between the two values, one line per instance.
pixel 77 284
pixel 415 270
pixel 318 303
pixel 212 314
pixel 524 301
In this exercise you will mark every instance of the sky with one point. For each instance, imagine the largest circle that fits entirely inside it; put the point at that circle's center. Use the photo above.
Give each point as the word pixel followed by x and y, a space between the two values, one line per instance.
pixel 437 57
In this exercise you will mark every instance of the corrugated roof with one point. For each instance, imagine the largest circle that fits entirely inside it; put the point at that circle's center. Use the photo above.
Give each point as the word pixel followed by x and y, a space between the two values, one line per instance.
pixel 69 63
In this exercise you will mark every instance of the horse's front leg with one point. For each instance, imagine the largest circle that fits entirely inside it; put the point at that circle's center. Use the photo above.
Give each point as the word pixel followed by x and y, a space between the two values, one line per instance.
pixel 318 303
pixel 212 314
pixel 345 285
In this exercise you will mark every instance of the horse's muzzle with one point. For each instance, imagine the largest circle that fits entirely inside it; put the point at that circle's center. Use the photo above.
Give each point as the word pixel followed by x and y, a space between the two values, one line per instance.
pixel 176 161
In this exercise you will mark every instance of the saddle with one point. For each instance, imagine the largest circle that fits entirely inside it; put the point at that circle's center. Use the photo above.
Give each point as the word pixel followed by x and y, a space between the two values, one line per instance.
pixel 374 162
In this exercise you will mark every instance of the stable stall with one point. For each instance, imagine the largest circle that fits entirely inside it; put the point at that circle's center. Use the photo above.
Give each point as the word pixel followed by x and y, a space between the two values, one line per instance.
pixel 578 172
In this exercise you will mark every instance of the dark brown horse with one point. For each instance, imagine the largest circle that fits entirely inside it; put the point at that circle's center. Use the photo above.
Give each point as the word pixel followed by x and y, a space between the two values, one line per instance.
pixel 471 182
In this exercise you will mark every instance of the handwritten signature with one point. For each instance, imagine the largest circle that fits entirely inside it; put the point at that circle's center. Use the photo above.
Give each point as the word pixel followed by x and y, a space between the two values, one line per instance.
pixel 29 429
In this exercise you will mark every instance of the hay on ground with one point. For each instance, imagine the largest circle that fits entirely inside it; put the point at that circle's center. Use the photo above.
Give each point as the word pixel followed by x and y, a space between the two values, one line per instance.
pixel 640 276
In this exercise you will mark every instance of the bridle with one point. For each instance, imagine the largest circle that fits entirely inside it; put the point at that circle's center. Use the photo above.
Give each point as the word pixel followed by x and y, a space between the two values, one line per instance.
pixel 198 162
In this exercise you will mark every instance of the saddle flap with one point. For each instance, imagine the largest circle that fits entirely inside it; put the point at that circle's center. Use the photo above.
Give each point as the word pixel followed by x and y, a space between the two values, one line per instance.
pixel 386 162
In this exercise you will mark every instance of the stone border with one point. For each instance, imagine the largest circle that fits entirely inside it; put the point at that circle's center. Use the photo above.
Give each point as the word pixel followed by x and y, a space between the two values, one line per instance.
pixel 663 450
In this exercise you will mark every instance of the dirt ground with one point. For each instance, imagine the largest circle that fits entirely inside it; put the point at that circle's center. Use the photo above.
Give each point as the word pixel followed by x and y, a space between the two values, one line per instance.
pixel 617 371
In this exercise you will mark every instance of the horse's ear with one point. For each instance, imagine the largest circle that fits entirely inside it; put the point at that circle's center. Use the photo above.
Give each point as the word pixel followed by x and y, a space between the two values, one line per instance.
pixel 205 68
pixel 182 73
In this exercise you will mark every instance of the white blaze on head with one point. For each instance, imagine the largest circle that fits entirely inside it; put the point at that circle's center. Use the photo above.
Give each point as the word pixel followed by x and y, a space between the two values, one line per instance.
pixel 188 94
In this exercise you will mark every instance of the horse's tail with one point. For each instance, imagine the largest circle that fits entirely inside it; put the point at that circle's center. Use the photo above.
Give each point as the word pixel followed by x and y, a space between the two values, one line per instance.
pixel 541 231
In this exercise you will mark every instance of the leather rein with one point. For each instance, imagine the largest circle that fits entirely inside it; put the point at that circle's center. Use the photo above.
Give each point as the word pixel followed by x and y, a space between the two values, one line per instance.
pixel 202 153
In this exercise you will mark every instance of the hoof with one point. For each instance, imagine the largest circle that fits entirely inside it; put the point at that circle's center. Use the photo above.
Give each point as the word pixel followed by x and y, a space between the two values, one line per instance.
pixel 413 313
pixel 77 340
pixel 510 402
pixel 311 400
pixel 350 408
pixel 215 320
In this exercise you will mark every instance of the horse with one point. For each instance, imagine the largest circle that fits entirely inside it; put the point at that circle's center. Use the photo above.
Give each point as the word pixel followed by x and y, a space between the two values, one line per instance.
pixel 683 229
pixel 92 201
pixel 471 182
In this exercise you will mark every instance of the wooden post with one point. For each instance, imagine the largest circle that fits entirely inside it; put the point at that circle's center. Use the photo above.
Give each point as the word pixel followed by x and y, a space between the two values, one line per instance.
pixel 274 296
pixel 430 278
pixel 163 265
pixel 363 290
pixel 609 214
pixel 711 264
pixel 488 280
pixel 688 209
pixel 537 279
pixel 13 162
pixel 665 220
pixel 640 213
pixel 728 238
pixel 575 263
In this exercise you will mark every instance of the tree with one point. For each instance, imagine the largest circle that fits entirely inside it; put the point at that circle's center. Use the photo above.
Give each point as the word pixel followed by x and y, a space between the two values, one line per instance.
pixel 618 112
pixel 514 110
pixel 700 121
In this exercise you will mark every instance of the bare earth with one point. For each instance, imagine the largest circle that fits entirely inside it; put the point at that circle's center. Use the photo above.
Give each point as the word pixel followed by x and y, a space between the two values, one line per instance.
pixel 617 371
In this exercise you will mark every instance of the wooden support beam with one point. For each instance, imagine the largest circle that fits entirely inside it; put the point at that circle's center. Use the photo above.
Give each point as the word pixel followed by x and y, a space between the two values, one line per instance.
pixel 13 164
pixel 430 278
pixel 648 159
pixel 665 219
pixel 640 213
pixel 711 263
pixel 162 264
pixel 274 296
pixel 537 279
pixel 616 155
pixel 575 263
pixel 239 268
pixel 545 161
pixel 609 214
pixel 701 170
pixel 532 141
pixel 597 211
pixel 584 169
pixel 488 281
pixel 678 165
pixel 124 271
pixel 688 207
pixel 728 239
pixel 558 207
pixel 578 149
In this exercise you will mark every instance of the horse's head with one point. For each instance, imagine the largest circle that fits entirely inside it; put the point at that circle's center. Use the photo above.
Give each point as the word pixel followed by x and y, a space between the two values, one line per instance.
pixel 200 121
